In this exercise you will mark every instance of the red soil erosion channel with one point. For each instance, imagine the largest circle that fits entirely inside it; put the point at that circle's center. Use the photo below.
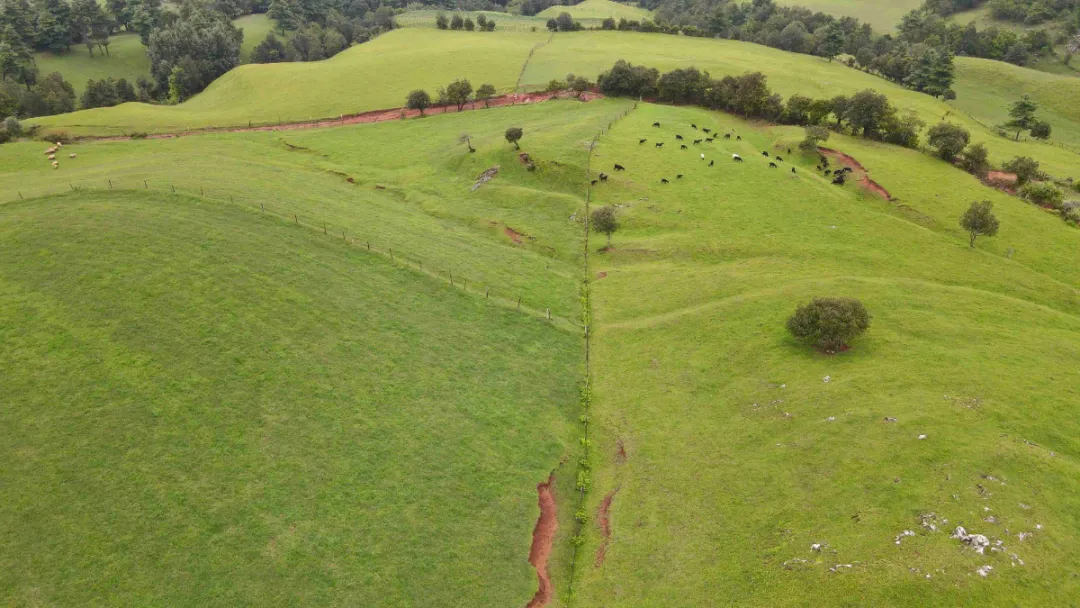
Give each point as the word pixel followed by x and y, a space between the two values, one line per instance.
pixel 864 178
pixel 543 539
pixel 371 117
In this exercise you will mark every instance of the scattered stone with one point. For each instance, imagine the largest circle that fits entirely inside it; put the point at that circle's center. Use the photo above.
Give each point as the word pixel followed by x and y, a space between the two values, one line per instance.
pixel 826 379
pixel 1023 535
pixel 990 519
pixel 985 570
pixel 896 480
pixel 1016 559
pixel 830 419
pixel 978 542
pixel 929 521
pixel 903 534
pixel 1023 506
pixel 817 547
pixel 484 178
pixel 922 437
pixel 791 562
pixel 783 386
pixel 837 567
pixel 1038 526
pixel 890 419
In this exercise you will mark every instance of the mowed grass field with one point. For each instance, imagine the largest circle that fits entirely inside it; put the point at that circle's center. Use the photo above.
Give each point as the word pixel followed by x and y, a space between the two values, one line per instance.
pixel 206 405
pixel 127 56
pixel 883 15
pixel 728 450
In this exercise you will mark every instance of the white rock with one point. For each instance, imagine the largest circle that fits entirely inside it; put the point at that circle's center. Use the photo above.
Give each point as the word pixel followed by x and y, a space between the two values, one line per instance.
pixel 985 570
pixel 826 378
pixel 922 436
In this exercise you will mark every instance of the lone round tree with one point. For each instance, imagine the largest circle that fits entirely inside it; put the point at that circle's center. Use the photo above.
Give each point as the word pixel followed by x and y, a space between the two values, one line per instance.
pixel 513 134
pixel 829 323
pixel 979 220
pixel 603 221
pixel 418 100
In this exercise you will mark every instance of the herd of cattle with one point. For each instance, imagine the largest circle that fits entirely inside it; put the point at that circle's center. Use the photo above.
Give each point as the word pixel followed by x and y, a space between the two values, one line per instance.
pixel 838 177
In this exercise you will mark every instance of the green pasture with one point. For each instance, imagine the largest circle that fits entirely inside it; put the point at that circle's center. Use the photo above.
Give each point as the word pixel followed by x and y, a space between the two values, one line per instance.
pixel 199 389
pixel 730 449
pixel 126 59
pixel 503 21
pixel 598 10
pixel 883 15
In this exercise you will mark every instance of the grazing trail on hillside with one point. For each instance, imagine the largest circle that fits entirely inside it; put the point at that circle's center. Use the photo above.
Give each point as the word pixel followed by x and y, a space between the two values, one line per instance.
pixel 864 181
pixel 373 116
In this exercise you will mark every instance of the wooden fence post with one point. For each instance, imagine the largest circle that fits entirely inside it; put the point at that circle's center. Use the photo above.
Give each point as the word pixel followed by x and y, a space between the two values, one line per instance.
pixel 451 277
pixel 110 184
pixel 297 219
pixel 519 303
pixel 145 187
pixel 324 227
pixel 487 292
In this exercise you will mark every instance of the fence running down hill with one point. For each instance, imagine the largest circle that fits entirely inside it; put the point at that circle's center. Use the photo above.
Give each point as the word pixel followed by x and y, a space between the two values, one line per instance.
pixel 371 243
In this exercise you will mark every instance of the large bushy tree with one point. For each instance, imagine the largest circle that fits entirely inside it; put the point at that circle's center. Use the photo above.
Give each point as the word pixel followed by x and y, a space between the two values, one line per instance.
pixel 204 45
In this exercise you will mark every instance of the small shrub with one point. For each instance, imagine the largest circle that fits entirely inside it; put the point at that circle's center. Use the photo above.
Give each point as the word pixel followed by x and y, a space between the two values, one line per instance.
pixel 829 323
pixel 138 135
pixel 814 137
pixel 57 136
pixel 976 160
pixel 949 139
pixel 1042 194
pixel 13 126
pixel 1070 212
pixel 603 221
pixel 513 135
pixel 1025 168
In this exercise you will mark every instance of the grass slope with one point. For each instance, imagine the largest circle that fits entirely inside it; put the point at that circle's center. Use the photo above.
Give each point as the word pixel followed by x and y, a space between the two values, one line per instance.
pixel 988 88
pixel 883 15
pixel 375 75
pixel 590 53
pixel 739 457
pixel 503 21
pixel 598 10
pixel 276 414
pixel 126 59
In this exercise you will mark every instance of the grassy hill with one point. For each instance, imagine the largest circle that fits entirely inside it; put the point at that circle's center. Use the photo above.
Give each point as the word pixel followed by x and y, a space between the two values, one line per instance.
pixel 727 450
pixel 884 15
pixel 127 56
pixel 598 10
pixel 504 22
pixel 280 414
pixel 287 418
pixel 987 89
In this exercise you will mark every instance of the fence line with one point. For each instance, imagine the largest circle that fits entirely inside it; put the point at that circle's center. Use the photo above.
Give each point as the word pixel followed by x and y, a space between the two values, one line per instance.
pixel 501 297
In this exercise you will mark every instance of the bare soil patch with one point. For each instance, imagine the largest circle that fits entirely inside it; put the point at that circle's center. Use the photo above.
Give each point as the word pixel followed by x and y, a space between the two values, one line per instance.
pixel 863 177
pixel 543 539
pixel 603 521
pixel 514 235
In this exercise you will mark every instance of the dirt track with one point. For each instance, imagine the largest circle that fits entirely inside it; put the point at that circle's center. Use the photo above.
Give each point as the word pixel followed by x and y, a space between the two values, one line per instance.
pixel 543 539
pixel 864 177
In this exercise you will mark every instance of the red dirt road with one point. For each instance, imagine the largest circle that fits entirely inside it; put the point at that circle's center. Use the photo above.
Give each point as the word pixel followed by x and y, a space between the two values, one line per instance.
pixel 864 179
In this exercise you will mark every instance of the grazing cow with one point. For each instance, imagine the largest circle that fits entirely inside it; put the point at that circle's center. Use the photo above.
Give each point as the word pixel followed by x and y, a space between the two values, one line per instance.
pixel 765 154
pixel 678 137
pixel 793 169
pixel 773 166
pixel 789 151
pixel 683 147
pixel 603 177
pixel 693 125
pixel 656 124
pixel 779 159
pixel 736 158
pixel 709 139
pixel 619 167
pixel 641 141
pixel 727 135
pixel 660 145
pixel 594 182
pixel 828 172
pixel 738 138
pixel 712 162
pixel 664 181
pixel 679 176
pixel 839 179
pixel 706 130
pixel 697 142
pixel 818 167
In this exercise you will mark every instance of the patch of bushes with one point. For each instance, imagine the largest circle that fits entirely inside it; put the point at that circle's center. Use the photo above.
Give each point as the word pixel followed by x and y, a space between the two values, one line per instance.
pixel 829 323
pixel 1043 194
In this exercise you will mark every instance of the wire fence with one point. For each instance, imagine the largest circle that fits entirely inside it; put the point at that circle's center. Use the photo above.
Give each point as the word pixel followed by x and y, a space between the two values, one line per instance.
pixel 372 243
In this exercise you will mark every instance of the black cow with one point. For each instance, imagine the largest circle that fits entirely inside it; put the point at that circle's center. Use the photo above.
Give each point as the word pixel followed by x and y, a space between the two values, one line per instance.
pixel 727 135
pixel 603 177
pixel 679 176
pixel 660 145
pixel 679 137
pixel 738 137
pixel 664 181
pixel 793 169
pixel 839 179
pixel 765 154
pixel 697 142
pixel 656 124
pixel 683 147
pixel 711 162
pixel 779 159
pixel 706 130
pixel 641 141
pixel 789 151
pixel 693 125
pixel 818 167
pixel 594 182
pixel 619 167
pixel 737 158
pixel 773 166
pixel 828 172
pixel 709 140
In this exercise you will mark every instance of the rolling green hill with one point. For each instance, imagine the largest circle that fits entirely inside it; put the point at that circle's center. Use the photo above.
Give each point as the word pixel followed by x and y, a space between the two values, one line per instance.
pixel 883 15
pixel 288 418
pixel 598 10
